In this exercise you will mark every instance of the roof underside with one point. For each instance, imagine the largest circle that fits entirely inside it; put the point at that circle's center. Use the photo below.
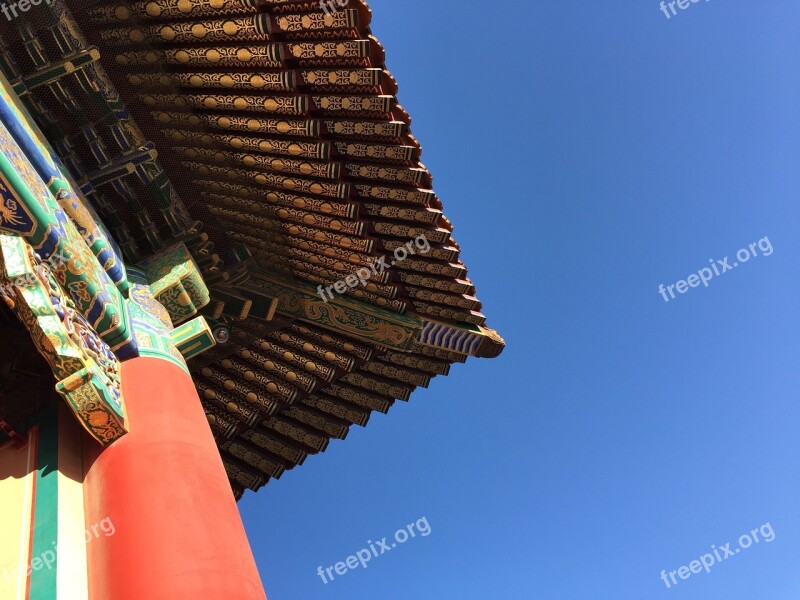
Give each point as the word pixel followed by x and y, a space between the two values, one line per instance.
pixel 278 127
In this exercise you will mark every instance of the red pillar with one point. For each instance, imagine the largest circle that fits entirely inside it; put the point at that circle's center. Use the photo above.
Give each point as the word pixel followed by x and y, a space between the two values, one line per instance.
pixel 177 530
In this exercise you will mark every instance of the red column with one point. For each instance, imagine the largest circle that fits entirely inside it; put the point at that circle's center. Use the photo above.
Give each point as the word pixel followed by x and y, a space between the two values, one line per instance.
pixel 177 530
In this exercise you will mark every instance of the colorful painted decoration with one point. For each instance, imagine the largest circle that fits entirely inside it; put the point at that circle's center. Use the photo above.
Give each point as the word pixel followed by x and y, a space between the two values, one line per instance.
pixel 193 337
pixel 30 139
pixel 87 371
pixel 176 282
pixel 28 208
pixel 152 325
pixel 153 328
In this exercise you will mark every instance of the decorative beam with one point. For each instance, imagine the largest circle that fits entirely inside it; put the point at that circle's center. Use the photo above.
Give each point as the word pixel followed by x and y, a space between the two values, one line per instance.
pixel 44 160
pixel 344 315
pixel 367 322
pixel 29 209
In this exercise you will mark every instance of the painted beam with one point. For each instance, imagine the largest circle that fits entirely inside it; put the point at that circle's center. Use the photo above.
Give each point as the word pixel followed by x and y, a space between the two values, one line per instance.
pixel 28 209
pixel 43 158
pixel 344 315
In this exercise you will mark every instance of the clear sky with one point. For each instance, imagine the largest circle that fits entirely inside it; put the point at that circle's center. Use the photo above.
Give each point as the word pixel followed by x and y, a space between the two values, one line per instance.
pixel 586 152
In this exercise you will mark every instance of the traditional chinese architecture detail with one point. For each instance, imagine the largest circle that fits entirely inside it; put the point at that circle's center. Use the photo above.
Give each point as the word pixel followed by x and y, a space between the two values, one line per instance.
pixel 112 177
pixel 239 156
pixel 362 321
pixel 469 340
pixel 253 150
pixel 193 338
pixel 85 367
pixel 151 322
pixel 32 141
pixel 176 282
pixel 29 209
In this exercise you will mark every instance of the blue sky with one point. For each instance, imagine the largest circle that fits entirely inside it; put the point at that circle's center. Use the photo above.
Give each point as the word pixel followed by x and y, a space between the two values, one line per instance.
pixel 586 152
